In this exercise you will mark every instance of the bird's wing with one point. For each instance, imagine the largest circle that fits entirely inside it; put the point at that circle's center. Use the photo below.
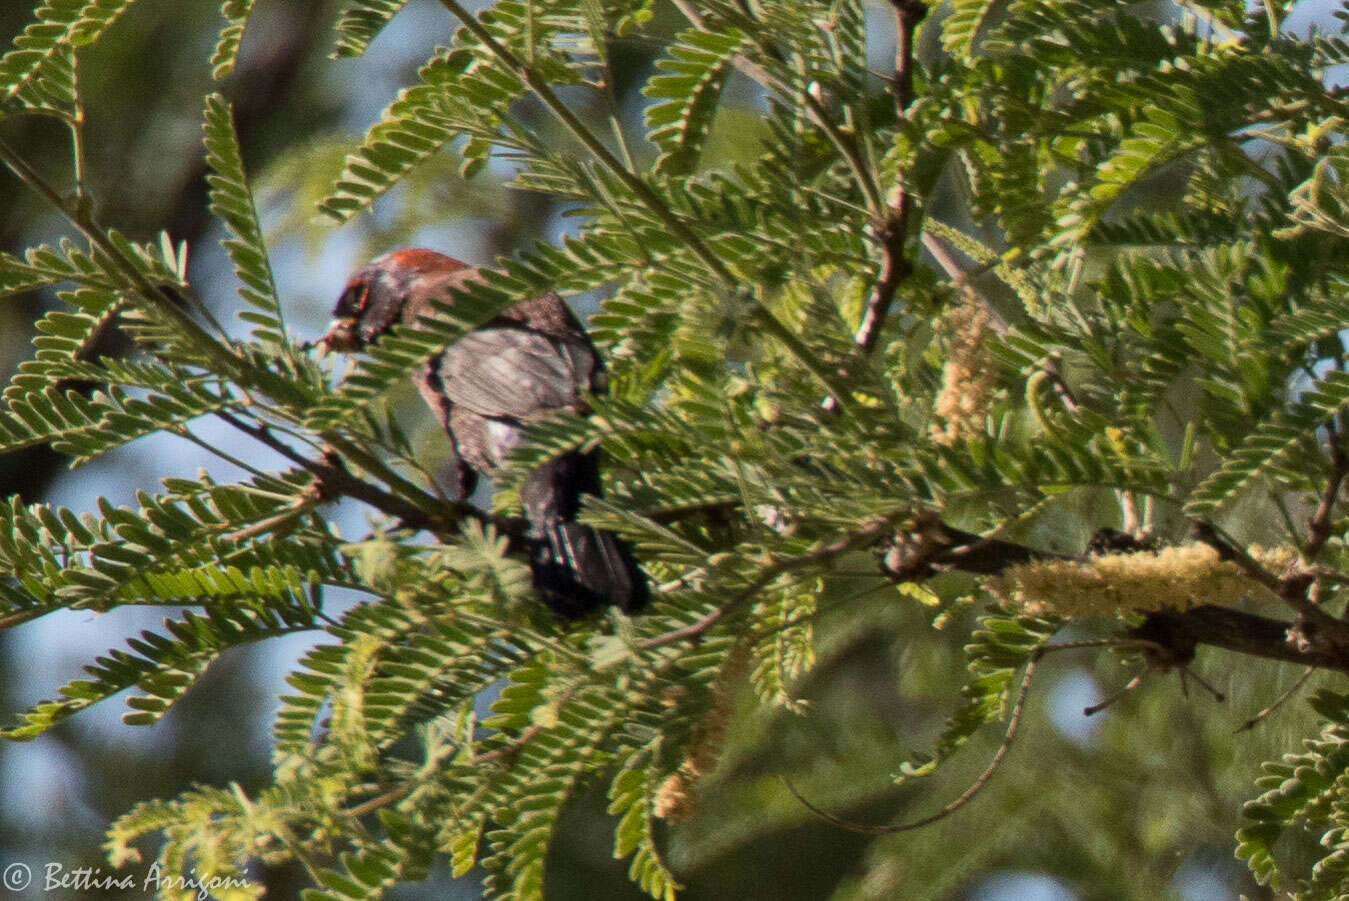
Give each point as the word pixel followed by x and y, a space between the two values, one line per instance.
pixel 509 372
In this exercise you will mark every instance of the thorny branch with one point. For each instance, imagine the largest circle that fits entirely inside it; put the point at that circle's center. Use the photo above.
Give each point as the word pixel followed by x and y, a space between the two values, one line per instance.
pixel 893 228
pixel 1315 631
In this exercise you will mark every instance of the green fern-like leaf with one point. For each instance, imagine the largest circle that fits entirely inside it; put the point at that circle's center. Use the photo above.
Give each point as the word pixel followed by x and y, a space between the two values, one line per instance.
pixel 1271 442
pixel 542 779
pixel 1301 788
pixel 43 47
pixel 236 14
pixel 696 70
pixel 962 28
pixel 790 652
pixel 233 202
pixel 419 123
pixel 360 22
pixel 1002 645
pixel 630 800
pixel 163 666
pixel 85 427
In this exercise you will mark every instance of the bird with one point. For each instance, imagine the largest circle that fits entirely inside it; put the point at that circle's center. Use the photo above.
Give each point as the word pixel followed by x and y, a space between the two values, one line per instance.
pixel 531 361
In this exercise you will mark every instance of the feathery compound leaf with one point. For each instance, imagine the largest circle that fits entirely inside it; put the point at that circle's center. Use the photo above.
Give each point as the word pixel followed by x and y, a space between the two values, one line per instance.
pixel 412 128
pixel 236 13
pixel 463 93
pixel 55 90
pixel 962 28
pixel 466 92
pixel 697 66
pixel 361 21
pixel 66 339
pixel 1000 646
pixel 365 874
pixel 1303 790
pixel 790 651
pixel 545 773
pixel 233 202
pixel 1271 442
pixel 1319 317
pixel 85 427
pixel 43 47
pixel 46 265
pixel 16 276
pixel 630 800
pixel 164 667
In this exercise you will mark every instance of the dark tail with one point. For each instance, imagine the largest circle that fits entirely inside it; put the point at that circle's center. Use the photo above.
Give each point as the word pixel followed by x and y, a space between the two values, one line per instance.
pixel 577 569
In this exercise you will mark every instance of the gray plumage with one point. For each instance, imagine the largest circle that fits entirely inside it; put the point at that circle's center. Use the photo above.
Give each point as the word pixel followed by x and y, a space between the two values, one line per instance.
pixel 532 361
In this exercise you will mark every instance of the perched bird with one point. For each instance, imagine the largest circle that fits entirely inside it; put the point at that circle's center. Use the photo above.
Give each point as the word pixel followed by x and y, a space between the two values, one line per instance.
pixel 533 360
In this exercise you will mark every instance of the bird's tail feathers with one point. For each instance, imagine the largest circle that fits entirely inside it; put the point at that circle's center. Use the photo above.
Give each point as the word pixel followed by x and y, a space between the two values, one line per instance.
pixel 578 569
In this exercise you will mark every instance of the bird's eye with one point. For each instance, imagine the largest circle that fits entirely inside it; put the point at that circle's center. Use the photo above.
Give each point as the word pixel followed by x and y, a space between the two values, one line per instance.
pixel 352 302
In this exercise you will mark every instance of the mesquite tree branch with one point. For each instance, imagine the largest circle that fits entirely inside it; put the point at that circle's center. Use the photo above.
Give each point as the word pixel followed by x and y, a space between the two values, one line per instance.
pixel 1319 524
pixel 892 230
pixel 1315 639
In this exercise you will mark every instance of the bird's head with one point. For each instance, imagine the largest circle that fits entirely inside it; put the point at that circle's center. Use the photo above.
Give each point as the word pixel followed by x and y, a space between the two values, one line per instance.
pixel 398 285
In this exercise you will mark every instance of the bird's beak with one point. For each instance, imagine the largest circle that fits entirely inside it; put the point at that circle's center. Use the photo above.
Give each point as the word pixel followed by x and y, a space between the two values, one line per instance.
pixel 340 336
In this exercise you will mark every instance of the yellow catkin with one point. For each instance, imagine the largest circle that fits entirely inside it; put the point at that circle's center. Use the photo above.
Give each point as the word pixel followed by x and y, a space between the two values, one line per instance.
pixel 968 376
pixel 677 797
pixel 1174 577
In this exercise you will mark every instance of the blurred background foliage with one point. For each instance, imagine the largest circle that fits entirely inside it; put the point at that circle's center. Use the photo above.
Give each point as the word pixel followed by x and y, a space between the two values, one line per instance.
pixel 1138 802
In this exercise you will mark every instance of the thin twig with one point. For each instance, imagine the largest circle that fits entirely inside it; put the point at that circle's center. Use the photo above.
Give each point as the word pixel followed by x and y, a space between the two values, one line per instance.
pixel 334 480
pixel 893 229
pixel 892 225
pixel 965 797
pixel 1093 709
pixel 288 513
pixel 1319 523
pixel 1187 673
pixel 513 747
pixel 1279 702
pixel 860 538
pixel 1158 656
pixel 1296 588
pixel 1208 533
pixel 1128 505
pixel 379 801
